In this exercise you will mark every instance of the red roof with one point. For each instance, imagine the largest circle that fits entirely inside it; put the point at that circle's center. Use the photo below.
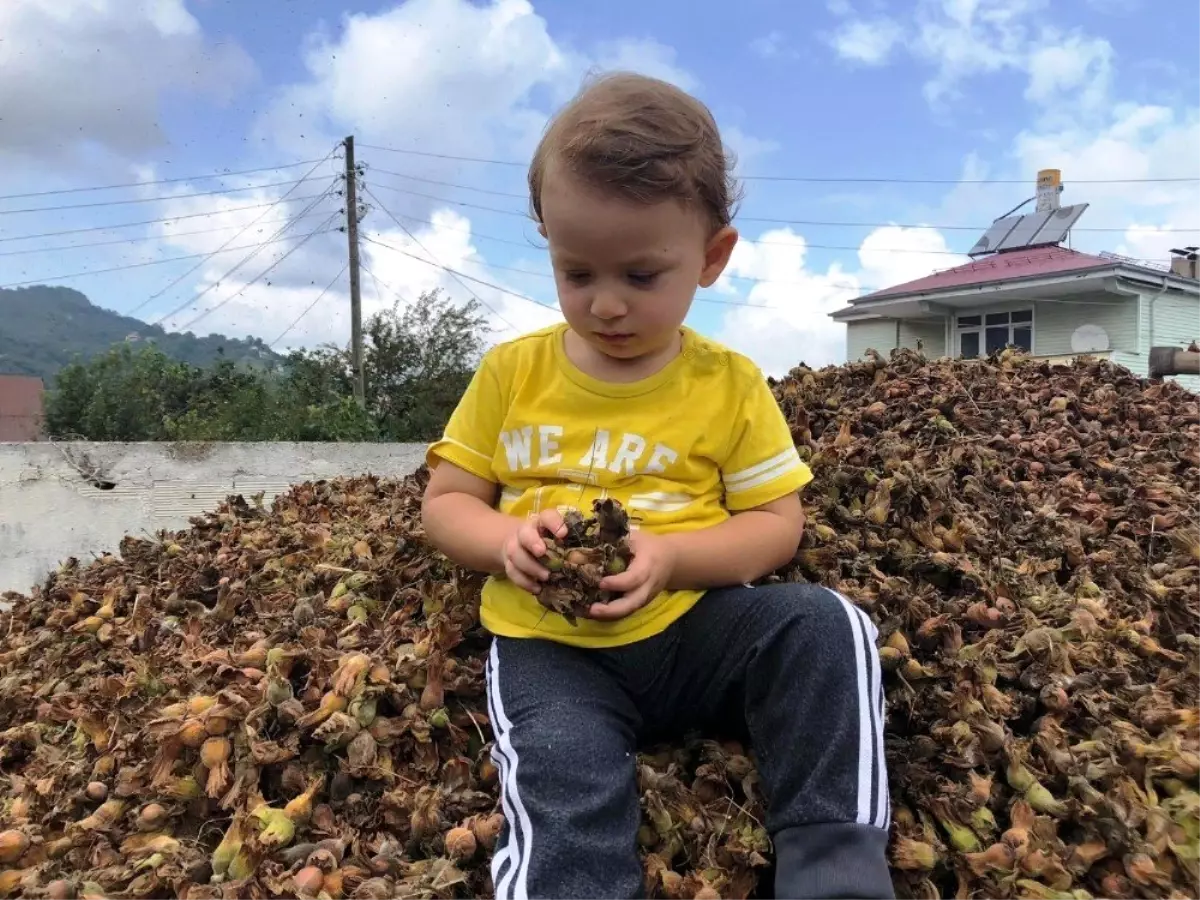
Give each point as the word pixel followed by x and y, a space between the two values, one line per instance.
pixel 1031 263
pixel 20 408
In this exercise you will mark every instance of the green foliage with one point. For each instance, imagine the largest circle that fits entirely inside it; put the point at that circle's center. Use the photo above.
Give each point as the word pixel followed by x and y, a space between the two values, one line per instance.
pixel 417 361
pixel 47 328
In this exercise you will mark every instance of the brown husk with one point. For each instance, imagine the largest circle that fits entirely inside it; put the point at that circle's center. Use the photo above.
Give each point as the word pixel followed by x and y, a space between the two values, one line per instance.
pixel 1024 536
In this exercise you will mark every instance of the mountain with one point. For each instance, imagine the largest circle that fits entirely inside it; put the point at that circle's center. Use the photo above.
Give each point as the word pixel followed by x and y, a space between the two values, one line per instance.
pixel 43 328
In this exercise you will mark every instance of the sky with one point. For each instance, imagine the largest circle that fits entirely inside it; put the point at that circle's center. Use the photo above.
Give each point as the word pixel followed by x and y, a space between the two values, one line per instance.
pixel 876 141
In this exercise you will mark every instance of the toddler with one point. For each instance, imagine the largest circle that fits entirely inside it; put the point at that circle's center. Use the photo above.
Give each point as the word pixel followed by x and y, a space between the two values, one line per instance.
pixel 632 189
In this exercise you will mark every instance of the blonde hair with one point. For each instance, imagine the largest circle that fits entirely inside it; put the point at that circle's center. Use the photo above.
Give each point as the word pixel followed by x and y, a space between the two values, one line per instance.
pixel 643 139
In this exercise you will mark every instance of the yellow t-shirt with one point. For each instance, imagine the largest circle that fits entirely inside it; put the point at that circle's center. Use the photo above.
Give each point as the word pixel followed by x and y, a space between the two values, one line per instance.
pixel 679 449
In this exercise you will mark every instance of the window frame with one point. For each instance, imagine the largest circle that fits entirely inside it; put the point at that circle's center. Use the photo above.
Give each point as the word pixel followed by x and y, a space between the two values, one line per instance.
pixel 980 327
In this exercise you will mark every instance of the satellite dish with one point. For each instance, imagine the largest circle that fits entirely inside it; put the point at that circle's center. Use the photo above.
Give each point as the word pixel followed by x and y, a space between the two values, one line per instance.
pixel 1089 338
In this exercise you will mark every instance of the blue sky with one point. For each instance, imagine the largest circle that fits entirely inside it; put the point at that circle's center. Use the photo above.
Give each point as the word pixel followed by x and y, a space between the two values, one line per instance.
pixel 103 92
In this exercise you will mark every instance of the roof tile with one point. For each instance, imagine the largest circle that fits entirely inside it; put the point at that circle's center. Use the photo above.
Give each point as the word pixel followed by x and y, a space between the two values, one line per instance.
pixel 1005 266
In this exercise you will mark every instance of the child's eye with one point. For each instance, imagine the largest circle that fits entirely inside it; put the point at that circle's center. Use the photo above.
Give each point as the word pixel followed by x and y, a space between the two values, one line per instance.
pixel 644 279
pixel 577 277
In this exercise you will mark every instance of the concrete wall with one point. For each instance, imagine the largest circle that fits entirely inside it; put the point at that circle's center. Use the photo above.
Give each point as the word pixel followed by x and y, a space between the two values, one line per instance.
pixel 79 499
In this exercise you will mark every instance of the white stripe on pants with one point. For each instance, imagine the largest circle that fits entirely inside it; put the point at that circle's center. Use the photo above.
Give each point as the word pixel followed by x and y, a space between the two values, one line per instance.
pixel 870 720
pixel 520 829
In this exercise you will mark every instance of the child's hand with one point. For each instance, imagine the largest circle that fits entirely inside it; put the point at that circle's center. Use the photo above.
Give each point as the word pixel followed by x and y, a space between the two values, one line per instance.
pixel 521 551
pixel 647 576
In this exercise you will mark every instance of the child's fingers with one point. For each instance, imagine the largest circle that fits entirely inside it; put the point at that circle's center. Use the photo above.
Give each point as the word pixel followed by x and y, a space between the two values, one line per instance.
pixel 531 540
pixel 630 579
pixel 528 565
pixel 618 609
pixel 552 521
pixel 520 578
pixel 626 581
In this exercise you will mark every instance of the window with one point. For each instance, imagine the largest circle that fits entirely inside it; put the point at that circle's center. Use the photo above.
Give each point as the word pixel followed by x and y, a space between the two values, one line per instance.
pixel 992 332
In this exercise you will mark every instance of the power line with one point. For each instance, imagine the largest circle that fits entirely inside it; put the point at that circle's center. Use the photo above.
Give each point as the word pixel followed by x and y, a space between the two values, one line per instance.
pixel 512 293
pixel 130 184
pixel 455 272
pixel 740 218
pixel 232 238
pixel 164 199
pixel 519 271
pixel 495 162
pixel 527 245
pixel 451 184
pixel 812 179
pixel 310 306
pixel 377 281
pixel 154 237
pixel 118 227
pixel 413 238
pixel 212 309
pixel 249 256
pixel 141 265
pixel 381 283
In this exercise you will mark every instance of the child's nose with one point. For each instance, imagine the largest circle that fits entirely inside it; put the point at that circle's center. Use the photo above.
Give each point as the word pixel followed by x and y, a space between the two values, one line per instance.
pixel 607 304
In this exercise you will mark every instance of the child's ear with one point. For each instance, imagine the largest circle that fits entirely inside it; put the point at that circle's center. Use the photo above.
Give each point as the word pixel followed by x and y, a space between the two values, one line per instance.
pixel 541 229
pixel 716 255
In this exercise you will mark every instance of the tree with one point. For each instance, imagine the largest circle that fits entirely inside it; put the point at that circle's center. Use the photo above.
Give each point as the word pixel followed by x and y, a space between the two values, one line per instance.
pixel 417 359
pixel 121 395
pixel 418 362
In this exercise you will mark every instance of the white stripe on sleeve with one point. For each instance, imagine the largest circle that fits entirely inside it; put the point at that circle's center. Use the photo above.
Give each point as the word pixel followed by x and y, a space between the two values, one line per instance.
pixel 449 440
pixel 763 472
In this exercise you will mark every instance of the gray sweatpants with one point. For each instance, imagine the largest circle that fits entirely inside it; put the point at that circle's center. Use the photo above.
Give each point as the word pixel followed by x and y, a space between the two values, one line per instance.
pixel 795 665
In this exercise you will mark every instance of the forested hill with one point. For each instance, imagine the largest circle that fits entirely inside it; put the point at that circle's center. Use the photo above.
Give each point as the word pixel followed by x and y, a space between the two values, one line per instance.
pixel 43 328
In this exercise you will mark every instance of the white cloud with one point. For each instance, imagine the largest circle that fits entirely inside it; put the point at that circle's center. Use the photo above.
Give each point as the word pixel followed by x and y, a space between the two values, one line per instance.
pixel 1076 69
pixel 1134 142
pixel 769 45
pixel 786 319
pixel 893 255
pixel 1076 122
pixel 452 77
pixel 243 303
pixel 443 75
pixel 748 149
pixel 868 41
pixel 643 55
pixel 80 74
pixel 960 39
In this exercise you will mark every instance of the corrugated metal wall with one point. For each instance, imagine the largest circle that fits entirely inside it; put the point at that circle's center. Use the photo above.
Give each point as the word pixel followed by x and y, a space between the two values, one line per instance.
pixel 1176 324
pixel 873 334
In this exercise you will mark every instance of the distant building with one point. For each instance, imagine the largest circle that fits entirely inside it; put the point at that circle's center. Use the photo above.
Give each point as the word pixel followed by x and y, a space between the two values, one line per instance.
pixel 1022 289
pixel 21 415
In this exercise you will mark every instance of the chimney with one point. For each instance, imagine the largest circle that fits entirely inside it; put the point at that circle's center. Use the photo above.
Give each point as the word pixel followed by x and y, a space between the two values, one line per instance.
pixel 1186 262
pixel 1049 186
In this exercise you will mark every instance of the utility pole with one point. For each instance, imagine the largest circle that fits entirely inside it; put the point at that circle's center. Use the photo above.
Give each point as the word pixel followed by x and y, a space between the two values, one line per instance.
pixel 356 336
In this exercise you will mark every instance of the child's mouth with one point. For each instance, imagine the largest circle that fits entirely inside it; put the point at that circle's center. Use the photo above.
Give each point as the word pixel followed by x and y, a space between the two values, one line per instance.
pixel 613 338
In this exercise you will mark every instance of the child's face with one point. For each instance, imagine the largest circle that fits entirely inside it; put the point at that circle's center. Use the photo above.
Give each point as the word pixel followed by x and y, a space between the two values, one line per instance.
pixel 627 272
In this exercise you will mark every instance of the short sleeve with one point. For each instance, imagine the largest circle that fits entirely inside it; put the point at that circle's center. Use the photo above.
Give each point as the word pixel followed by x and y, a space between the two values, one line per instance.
pixel 762 464
pixel 469 440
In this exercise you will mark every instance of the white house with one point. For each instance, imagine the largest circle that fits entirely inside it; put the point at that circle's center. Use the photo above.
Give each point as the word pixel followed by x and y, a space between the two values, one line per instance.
pixel 1050 301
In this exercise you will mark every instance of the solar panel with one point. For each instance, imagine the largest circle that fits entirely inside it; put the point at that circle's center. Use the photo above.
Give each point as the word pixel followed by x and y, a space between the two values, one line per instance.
pixel 999 230
pixel 1034 230
pixel 1026 232
pixel 1040 229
